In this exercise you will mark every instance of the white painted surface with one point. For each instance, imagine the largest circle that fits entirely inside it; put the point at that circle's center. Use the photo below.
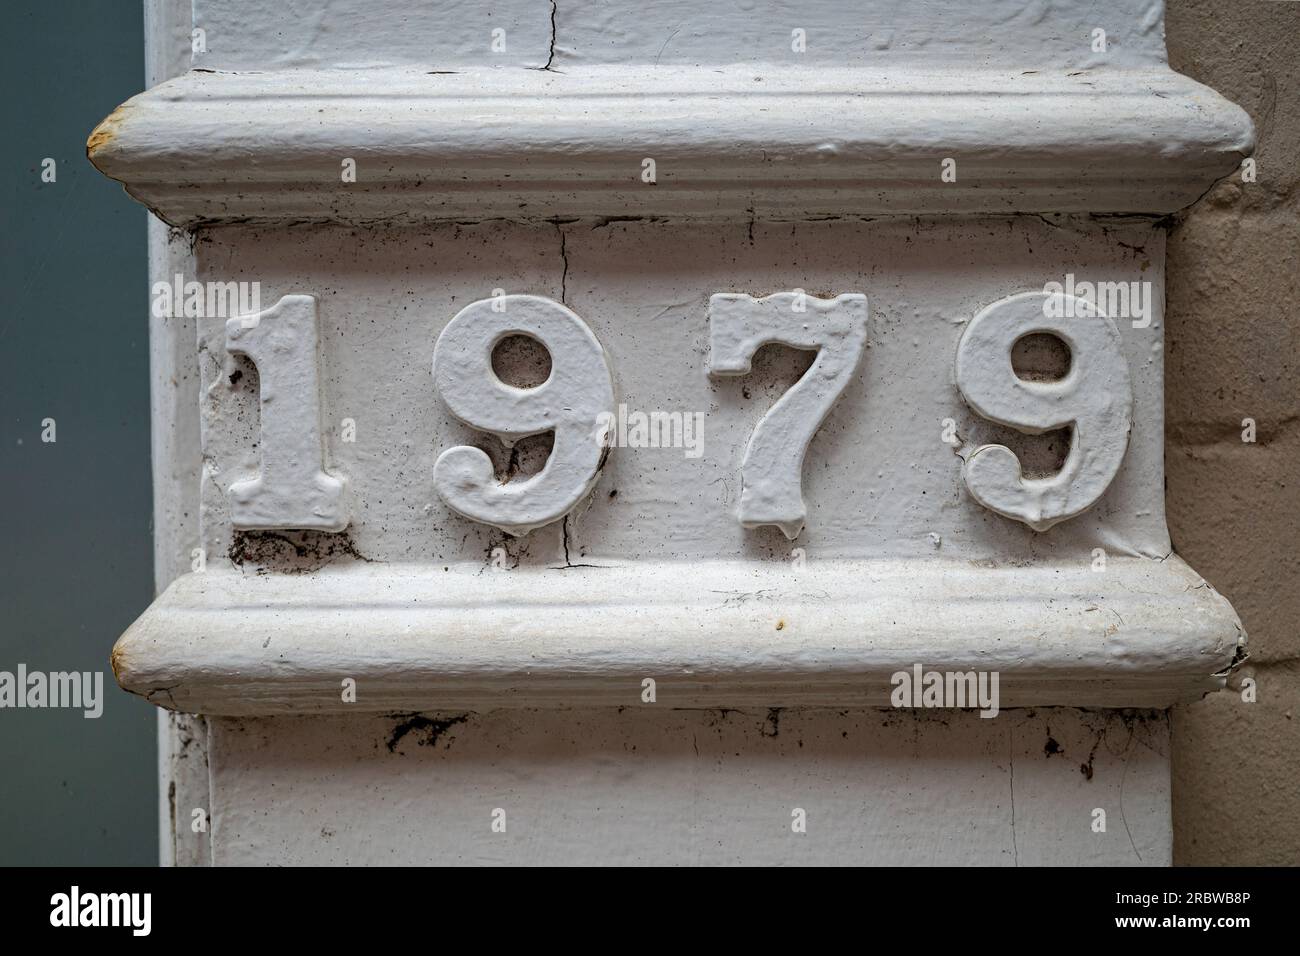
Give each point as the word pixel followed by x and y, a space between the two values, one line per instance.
pixel 505 174
pixel 570 405
pixel 454 34
pixel 712 634
pixel 292 489
pixel 175 457
pixel 1094 400
pixel 879 479
pixel 771 482
pixel 730 142
pixel 432 34
pixel 886 497
pixel 648 785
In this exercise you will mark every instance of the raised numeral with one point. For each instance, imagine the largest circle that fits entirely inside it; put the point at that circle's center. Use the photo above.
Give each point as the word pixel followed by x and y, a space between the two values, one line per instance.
pixel 571 403
pixel 1095 397
pixel 739 325
pixel 293 490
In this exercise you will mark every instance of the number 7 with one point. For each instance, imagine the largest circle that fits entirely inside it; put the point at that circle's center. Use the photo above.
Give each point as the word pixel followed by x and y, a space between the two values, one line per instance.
pixel 739 325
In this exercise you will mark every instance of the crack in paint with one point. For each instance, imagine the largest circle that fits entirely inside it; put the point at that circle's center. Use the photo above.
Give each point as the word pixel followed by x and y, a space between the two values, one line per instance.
pixel 550 58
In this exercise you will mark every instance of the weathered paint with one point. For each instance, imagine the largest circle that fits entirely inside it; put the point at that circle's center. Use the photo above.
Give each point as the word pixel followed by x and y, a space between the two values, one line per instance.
pixel 643 785
pixel 879 486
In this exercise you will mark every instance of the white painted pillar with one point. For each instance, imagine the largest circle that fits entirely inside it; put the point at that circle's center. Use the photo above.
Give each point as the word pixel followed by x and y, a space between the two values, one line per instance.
pixel 805 437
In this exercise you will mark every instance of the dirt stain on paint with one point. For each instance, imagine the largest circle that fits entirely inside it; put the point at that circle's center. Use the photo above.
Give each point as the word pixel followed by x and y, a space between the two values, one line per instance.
pixel 430 729
pixel 291 552
pixel 772 726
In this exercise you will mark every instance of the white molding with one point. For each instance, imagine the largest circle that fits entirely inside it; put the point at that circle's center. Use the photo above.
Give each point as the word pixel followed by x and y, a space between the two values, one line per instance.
pixel 734 141
pixel 1143 633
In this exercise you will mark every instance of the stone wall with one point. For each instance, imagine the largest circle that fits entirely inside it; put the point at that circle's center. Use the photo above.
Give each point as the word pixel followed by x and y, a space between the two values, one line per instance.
pixel 1233 339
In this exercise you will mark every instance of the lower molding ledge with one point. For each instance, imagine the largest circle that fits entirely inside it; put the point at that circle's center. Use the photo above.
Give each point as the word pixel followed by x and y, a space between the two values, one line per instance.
pixel 1143 633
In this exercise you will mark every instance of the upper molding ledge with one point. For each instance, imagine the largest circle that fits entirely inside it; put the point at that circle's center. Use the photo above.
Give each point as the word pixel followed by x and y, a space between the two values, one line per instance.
pixel 727 141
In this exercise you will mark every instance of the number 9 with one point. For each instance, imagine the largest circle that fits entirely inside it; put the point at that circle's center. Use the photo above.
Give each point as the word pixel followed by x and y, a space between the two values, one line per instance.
pixel 572 402
pixel 1095 397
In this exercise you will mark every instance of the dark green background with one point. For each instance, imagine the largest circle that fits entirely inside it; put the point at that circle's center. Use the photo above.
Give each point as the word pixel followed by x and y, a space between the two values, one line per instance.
pixel 77 560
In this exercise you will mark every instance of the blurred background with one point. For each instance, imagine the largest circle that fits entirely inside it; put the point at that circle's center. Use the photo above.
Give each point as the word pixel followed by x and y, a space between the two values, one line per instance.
pixel 76 562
